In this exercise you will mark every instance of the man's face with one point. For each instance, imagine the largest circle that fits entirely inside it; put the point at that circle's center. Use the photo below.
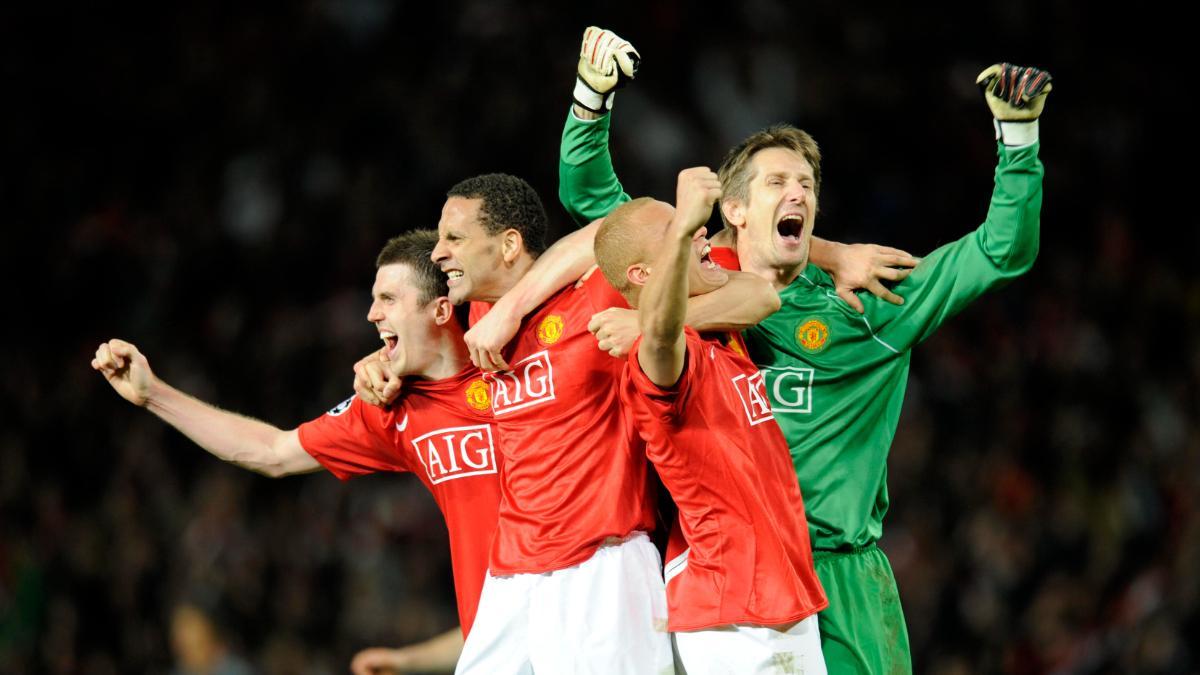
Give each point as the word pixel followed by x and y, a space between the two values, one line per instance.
pixel 704 275
pixel 470 257
pixel 403 323
pixel 776 221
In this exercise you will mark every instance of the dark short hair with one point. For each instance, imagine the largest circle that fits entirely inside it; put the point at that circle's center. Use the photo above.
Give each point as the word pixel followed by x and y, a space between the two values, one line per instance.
pixel 415 250
pixel 508 202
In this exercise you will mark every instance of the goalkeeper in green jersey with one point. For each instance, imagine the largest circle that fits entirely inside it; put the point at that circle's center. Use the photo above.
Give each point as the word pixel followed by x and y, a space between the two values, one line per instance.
pixel 836 374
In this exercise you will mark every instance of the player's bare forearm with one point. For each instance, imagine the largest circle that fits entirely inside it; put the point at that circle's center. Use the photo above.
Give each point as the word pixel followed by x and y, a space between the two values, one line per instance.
pixel 246 442
pixel 741 303
pixel 662 307
pixel 823 253
pixel 243 441
pixel 438 654
pixel 662 311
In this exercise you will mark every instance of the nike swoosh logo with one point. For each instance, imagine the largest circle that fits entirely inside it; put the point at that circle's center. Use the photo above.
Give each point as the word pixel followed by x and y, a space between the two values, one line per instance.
pixel 401 426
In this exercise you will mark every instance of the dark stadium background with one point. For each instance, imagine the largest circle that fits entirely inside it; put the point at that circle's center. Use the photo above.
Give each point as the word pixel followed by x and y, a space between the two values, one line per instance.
pixel 212 180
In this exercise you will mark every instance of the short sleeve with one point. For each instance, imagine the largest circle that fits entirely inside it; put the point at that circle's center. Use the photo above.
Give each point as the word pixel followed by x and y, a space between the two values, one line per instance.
pixel 665 404
pixel 354 439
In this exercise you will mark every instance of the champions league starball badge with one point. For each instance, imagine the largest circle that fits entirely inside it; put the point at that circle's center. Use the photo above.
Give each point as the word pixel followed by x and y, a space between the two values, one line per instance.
pixel 341 407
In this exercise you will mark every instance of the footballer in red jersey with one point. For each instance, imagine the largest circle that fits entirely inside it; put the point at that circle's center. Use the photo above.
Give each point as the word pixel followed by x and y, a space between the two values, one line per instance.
pixel 741 588
pixel 441 431
pixel 574 582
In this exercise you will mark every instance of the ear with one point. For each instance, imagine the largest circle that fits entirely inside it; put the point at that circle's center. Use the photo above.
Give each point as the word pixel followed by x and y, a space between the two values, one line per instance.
pixel 512 245
pixel 443 310
pixel 734 211
pixel 638 274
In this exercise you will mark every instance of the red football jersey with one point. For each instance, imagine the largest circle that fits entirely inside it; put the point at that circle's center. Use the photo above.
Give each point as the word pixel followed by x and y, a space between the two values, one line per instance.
pixel 739 552
pixel 441 431
pixel 575 471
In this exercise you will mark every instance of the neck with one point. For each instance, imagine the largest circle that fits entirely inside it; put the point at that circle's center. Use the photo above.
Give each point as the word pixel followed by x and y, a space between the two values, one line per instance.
pixel 633 296
pixel 780 277
pixel 513 273
pixel 446 356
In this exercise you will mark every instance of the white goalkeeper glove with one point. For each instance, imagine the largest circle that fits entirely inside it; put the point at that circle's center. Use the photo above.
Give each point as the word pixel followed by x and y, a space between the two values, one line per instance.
pixel 606 61
pixel 1016 95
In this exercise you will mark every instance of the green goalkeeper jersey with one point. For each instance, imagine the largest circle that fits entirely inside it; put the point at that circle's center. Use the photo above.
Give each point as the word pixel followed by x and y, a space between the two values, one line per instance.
pixel 836 378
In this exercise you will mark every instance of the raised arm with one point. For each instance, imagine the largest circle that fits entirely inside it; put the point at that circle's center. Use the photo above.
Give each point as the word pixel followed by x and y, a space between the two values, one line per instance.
pixel 587 184
pixel 589 189
pixel 246 442
pixel 663 301
pixel 1006 244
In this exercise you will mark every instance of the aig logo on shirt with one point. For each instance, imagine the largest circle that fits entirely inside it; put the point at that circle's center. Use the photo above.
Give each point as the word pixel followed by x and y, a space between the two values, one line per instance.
pixel 754 398
pixel 457 452
pixel 791 389
pixel 529 383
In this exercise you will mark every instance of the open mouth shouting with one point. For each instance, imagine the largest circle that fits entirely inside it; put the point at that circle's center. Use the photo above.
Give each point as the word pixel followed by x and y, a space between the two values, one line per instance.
pixel 389 341
pixel 710 275
pixel 791 228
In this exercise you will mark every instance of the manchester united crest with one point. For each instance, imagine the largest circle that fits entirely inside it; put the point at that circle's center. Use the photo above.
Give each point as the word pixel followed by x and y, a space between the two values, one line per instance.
pixel 550 330
pixel 812 335
pixel 478 396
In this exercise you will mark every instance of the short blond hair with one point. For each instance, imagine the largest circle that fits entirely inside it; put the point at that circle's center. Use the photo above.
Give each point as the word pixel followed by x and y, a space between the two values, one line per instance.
pixel 620 243
pixel 735 168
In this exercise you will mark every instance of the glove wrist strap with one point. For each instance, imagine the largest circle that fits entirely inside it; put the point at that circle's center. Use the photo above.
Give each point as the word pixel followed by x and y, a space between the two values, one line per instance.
pixel 1016 134
pixel 590 99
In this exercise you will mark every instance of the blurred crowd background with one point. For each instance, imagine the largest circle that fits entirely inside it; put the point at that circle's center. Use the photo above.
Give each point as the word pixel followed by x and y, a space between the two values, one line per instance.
pixel 212 180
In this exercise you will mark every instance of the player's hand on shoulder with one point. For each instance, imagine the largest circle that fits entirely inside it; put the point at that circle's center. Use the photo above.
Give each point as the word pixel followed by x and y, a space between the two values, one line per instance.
pixel 866 267
pixel 488 337
pixel 125 368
